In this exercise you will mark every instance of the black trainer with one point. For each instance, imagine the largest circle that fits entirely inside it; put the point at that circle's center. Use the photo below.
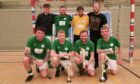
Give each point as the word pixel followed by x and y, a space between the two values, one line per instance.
pixel 57 73
pixel 81 72
pixel 29 78
pixel 62 68
pixel 37 70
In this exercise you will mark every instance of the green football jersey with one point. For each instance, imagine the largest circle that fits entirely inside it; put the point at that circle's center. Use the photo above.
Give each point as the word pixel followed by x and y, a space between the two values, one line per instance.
pixel 59 48
pixel 63 23
pixel 38 48
pixel 89 47
pixel 111 44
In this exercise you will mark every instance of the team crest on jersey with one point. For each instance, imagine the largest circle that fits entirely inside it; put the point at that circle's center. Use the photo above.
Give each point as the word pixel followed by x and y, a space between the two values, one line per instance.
pixel 66 48
pixel 64 18
pixel 87 48
pixel 111 44
pixel 42 46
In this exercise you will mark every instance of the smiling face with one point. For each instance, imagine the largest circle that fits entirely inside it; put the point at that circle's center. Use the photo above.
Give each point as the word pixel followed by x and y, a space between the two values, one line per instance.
pixel 80 12
pixel 62 11
pixel 40 35
pixel 61 36
pixel 84 37
pixel 96 7
pixel 46 10
pixel 105 33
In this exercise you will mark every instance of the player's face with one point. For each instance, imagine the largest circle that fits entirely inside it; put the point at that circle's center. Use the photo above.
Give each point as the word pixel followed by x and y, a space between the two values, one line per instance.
pixel 40 35
pixel 84 37
pixel 62 11
pixel 80 12
pixel 61 37
pixel 46 10
pixel 105 33
pixel 96 7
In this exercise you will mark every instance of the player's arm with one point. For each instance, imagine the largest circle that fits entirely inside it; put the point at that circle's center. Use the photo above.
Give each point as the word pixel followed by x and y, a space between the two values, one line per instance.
pixel 91 60
pixel 48 50
pixel 54 54
pixel 37 21
pixel 76 54
pixel 47 55
pixel 27 51
pixel 119 56
pixel 104 19
pixel 117 43
pixel 71 53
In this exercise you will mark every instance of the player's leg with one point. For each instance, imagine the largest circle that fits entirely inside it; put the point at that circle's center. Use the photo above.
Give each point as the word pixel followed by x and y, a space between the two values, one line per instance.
pixel 27 62
pixel 103 64
pixel 43 67
pixel 91 70
pixel 113 66
pixel 79 63
pixel 56 62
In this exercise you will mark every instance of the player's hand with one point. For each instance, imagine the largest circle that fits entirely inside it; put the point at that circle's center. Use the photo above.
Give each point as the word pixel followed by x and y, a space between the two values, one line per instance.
pixel 109 51
pixel 119 61
pixel 81 58
pixel 62 55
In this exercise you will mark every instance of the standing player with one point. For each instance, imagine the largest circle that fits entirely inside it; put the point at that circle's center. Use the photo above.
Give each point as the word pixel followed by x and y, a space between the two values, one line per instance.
pixel 106 48
pixel 61 52
pixel 46 20
pixel 37 51
pixel 63 21
pixel 80 22
pixel 96 21
pixel 84 51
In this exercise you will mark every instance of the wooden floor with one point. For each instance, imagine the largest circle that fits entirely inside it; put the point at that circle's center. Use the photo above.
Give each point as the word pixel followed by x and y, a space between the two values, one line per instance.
pixel 13 72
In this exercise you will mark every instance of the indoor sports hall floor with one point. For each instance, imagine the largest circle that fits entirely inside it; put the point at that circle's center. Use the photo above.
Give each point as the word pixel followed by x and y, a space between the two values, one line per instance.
pixel 13 72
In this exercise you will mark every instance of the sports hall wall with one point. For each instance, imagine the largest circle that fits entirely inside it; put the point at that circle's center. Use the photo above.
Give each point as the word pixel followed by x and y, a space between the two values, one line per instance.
pixel 16 27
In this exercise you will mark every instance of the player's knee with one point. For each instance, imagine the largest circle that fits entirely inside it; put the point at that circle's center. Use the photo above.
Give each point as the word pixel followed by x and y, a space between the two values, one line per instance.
pixel 102 56
pixel 44 73
pixel 72 74
pixel 91 73
pixel 39 62
pixel 78 61
pixel 54 60
pixel 114 72
pixel 26 59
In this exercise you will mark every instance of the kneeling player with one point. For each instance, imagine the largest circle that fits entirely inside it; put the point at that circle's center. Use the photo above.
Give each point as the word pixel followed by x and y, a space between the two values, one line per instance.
pixel 106 48
pixel 84 51
pixel 37 51
pixel 61 52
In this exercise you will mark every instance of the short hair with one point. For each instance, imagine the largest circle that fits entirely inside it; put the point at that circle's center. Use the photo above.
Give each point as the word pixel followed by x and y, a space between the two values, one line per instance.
pixel 62 7
pixel 96 3
pixel 104 27
pixel 40 28
pixel 83 31
pixel 46 6
pixel 80 8
pixel 61 31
